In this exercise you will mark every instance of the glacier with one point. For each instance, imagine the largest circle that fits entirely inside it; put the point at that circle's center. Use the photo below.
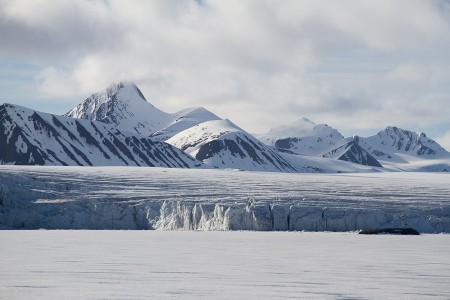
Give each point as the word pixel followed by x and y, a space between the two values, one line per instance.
pixel 33 197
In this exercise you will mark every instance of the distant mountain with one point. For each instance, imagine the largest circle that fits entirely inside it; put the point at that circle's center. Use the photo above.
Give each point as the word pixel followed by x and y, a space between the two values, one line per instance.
pixel 222 144
pixel 303 137
pixel 351 151
pixel 124 106
pixel 28 137
pixel 393 143
pixel 119 126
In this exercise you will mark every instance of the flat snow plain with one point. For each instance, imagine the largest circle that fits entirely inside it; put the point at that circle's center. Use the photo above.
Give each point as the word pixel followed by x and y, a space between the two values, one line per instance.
pixel 221 265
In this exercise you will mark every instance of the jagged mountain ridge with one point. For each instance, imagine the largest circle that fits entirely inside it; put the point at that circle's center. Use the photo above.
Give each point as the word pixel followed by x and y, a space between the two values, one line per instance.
pixel 392 145
pixel 28 137
pixel 388 143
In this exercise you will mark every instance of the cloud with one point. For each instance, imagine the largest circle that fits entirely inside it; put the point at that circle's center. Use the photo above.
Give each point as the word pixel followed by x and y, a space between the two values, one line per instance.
pixel 352 64
pixel 444 140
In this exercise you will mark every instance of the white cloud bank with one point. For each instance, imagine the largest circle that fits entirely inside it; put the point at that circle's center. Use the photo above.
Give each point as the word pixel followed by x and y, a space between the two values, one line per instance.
pixel 353 64
pixel 444 140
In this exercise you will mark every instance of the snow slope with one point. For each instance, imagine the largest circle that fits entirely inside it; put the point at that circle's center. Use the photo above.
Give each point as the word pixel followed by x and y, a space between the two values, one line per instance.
pixel 28 137
pixel 196 199
pixel 222 144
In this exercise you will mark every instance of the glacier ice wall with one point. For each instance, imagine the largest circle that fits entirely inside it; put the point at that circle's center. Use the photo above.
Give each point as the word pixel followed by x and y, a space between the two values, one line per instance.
pixel 161 199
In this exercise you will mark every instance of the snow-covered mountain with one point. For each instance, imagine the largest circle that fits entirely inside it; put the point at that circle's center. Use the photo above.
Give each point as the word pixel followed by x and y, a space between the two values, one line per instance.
pixel 28 137
pixel 303 137
pixel 120 127
pixel 221 144
pixel 351 151
pixel 392 148
pixel 391 142
pixel 124 106
pixel 183 120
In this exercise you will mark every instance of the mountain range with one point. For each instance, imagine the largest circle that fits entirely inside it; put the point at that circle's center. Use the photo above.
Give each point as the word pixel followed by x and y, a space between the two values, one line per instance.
pixel 119 126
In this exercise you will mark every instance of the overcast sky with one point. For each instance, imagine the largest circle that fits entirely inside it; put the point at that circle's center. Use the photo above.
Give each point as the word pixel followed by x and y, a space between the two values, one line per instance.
pixel 356 65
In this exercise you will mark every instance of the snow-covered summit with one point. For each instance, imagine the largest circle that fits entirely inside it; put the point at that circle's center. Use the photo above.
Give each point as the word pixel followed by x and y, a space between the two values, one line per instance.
pixel 183 120
pixel 222 144
pixel 392 141
pixel 303 137
pixel 190 139
pixel 123 105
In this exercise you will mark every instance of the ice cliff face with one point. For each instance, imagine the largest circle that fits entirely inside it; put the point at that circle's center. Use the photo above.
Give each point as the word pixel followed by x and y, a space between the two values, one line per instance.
pixel 169 199
pixel 173 215
pixel 28 137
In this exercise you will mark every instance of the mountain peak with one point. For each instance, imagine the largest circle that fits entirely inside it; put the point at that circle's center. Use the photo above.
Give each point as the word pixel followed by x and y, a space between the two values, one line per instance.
pixel 303 137
pixel 121 104
pixel 397 140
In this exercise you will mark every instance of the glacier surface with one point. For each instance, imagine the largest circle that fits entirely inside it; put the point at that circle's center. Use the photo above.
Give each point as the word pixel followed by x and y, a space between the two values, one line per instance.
pixel 33 197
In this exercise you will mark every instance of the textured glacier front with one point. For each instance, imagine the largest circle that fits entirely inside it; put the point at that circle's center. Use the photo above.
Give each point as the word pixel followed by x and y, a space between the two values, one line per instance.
pixel 177 199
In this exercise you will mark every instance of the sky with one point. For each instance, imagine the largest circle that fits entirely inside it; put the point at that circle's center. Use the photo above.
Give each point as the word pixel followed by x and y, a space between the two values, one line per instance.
pixel 356 65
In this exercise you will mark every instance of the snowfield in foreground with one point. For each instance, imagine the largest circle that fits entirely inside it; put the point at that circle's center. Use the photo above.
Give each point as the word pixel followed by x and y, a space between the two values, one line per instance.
pixel 221 265
pixel 35 197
